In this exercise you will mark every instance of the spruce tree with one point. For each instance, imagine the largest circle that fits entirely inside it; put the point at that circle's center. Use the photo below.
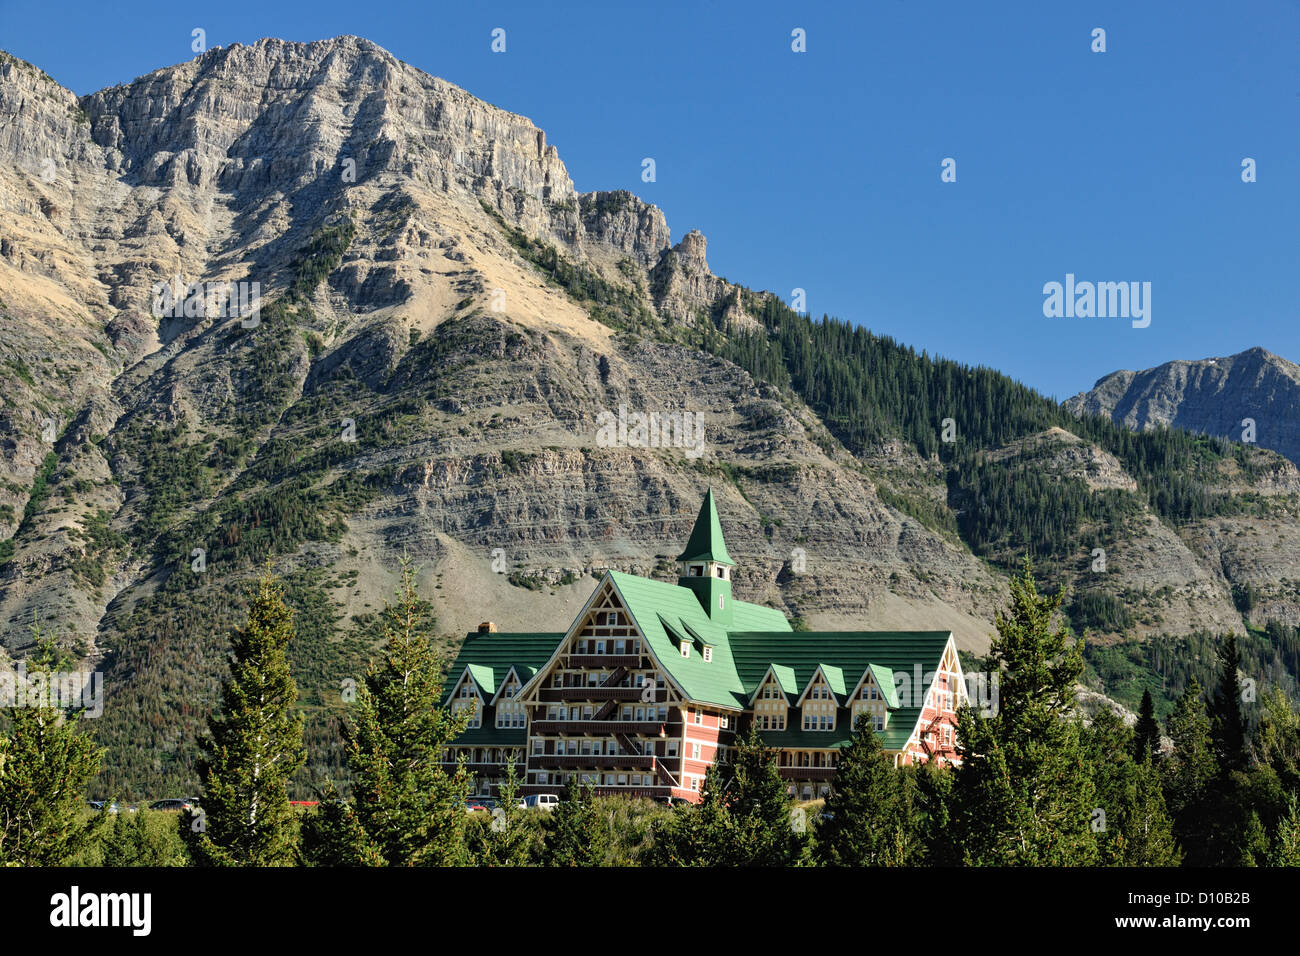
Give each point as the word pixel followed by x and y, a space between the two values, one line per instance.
pixel 575 833
pixel 695 834
pixel 867 819
pixel 1024 794
pixel 1189 775
pixel 1146 737
pixel 409 808
pixel 507 838
pixel 1133 827
pixel 1277 741
pixel 1226 719
pixel 1286 844
pixel 253 748
pixel 46 763
pixel 757 806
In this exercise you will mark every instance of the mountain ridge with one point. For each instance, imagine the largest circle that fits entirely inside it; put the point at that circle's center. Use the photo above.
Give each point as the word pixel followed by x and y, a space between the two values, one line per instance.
pixel 439 337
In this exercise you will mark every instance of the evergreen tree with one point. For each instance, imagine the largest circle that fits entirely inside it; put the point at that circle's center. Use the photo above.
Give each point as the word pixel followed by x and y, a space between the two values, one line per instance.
pixel 507 838
pixel 1225 714
pixel 1286 845
pixel 410 810
pixel 1277 742
pixel 867 819
pixel 46 762
pixel 1189 774
pixel 332 834
pixel 1023 793
pixel 575 833
pixel 695 834
pixel 1146 737
pixel 1133 827
pixel 743 817
pixel 253 748
pixel 756 802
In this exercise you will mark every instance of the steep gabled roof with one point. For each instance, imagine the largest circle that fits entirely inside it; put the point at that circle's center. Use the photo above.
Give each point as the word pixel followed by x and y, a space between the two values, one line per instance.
pixel 706 542
pixel 489 657
pixel 659 609
pixel 853 652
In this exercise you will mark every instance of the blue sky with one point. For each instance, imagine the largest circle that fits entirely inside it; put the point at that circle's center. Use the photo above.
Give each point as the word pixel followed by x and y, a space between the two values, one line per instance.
pixel 821 170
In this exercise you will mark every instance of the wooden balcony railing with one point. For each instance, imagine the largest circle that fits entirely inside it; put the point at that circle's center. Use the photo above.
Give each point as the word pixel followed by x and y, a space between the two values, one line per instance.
pixel 807 773
pixel 654 727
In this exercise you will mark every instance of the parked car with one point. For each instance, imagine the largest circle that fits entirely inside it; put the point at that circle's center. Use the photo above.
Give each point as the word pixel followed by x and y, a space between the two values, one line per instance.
pixel 540 801
pixel 103 806
pixel 474 804
pixel 172 805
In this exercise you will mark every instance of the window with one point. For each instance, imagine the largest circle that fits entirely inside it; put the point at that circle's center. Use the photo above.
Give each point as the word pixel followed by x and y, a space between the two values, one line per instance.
pixel 720 571
pixel 696 570
pixel 699 717
pixel 720 600
pixel 686 649
pixel 708 654
pixel 695 783
pixel 600 647
pixel 695 751
pixel 724 721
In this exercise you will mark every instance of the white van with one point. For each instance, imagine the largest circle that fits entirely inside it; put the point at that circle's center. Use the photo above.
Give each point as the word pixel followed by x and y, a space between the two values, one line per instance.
pixel 540 801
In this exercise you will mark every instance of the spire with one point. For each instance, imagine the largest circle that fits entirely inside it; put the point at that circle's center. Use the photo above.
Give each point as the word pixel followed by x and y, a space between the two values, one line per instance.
pixel 706 542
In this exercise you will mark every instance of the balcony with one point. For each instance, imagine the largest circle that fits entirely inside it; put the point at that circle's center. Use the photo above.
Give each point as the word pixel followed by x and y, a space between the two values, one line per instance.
pixel 604 660
pixel 591 761
pixel 807 773
pixel 629 695
pixel 606 727
pixel 492 769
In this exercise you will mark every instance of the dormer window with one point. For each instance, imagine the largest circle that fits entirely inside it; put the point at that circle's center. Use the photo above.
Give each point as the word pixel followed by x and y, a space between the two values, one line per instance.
pixel 720 571
pixel 686 649
pixel 696 570
pixel 708 654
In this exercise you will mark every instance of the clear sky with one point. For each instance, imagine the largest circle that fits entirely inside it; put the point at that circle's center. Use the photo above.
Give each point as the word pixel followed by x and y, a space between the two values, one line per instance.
pixel 821 170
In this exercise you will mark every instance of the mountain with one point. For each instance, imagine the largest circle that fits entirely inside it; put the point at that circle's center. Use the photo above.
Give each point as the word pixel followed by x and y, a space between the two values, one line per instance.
pixel 1211 396
pixel 447 328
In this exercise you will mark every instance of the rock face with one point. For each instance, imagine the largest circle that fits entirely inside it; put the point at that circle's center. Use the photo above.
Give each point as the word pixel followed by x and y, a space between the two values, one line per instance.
pixel 1210 396
pixel 427 378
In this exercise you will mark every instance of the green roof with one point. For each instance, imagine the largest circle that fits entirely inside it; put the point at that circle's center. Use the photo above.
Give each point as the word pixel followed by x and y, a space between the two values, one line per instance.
pixel 660 608
pixel 706 542
pixel 885 653
pixel 489 658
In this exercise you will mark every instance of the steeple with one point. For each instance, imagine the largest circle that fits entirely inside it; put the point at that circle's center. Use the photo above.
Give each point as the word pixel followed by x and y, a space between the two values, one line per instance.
pixel 705 567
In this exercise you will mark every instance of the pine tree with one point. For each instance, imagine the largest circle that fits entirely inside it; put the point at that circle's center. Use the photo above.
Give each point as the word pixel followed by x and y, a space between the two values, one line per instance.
pixel 507 838
pixel 253 747
pixel 46 763
pixel 1133 827
pixel 867 820
pixel 1189 774
pixel 1277 742
pixel 1225 713
pixel 757 805
pixel 695 834
pixel 1146 737
pixel 410 808
pixel 332 834
pixel 575 833
pixel 1286 844
pixel 1023 793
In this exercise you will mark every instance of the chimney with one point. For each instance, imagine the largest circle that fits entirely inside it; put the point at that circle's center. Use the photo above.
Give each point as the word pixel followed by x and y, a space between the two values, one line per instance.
pixel 487 627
